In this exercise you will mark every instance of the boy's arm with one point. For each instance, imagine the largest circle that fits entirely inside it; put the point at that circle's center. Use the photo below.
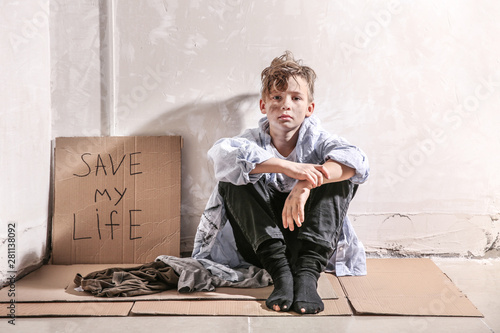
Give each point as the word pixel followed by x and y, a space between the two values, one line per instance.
pixel 293 210
pixel 338 149
pixel 309 176
pixel 338 171
pixel 312 173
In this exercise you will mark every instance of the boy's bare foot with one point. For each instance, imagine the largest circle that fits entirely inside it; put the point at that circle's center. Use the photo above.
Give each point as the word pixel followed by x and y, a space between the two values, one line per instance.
pixel 306 297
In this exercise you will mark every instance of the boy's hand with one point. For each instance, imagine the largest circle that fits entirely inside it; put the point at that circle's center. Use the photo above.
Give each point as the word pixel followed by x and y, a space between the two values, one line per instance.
pixel 313 173
pixel 293 210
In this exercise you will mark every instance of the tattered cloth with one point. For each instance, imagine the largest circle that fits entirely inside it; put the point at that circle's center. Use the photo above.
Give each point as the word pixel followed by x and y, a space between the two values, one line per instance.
pixel 146 279
pixel 168 272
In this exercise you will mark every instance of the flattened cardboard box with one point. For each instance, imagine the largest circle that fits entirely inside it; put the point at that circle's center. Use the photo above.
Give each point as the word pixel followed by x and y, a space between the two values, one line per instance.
pixel 49 291
pixel 54 283
pixel 406 287
pixel 117 199
pixel 230 308
pixel 415 287
pixel 70 309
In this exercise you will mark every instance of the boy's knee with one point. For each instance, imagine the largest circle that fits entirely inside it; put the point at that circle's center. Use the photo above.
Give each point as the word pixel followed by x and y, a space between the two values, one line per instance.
pixel 344 189
pixel 227 189
pixel 224 187
pixel 343 186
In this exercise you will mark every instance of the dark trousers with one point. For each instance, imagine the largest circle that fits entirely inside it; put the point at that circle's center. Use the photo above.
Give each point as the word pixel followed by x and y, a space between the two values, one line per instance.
pixel 254 212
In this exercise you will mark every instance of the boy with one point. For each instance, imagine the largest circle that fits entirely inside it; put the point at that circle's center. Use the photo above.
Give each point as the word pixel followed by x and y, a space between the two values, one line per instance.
pixel 284 188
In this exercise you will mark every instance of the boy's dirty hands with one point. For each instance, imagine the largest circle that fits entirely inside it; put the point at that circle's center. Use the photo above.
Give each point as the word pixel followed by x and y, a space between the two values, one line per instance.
pixel 293 210
pixel 313 173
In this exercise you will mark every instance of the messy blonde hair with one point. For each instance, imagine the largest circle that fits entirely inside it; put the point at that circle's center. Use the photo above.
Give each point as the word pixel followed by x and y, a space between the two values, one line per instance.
pixel 281 69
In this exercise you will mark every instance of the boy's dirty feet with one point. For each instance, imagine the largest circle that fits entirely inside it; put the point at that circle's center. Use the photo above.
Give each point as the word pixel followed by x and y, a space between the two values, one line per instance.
pixel 271 254
pixel 306 297
pixel 281 298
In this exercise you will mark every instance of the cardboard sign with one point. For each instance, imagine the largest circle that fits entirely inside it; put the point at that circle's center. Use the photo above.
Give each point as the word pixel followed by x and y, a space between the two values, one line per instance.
pixel 117 199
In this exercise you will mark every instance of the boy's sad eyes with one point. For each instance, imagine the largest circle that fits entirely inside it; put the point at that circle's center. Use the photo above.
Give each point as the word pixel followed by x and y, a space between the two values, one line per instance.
pixel 279 98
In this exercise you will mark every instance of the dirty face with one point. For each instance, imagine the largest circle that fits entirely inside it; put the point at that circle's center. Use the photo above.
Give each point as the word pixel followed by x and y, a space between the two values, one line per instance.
pixel 286 110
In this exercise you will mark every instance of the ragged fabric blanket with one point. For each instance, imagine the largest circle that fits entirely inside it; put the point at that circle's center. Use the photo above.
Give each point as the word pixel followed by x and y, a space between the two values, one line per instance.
pixel 193 276
pixel 146 279
pixel 167 272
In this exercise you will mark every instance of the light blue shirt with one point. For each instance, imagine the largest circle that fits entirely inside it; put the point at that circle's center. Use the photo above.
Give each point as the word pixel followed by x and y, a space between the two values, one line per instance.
pixel 234 159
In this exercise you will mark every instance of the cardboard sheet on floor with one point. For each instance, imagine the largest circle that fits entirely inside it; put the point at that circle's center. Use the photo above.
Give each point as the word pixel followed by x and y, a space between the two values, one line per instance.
pixel 69 309
pixel 338 306
pixel 333 307
pixel 392 287
pixel 54 283
pixel 406 287
pixel 51 286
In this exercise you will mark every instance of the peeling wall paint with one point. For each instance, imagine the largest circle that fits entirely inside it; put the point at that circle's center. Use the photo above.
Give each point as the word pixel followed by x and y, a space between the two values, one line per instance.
pixel 416 84
pixel 464 235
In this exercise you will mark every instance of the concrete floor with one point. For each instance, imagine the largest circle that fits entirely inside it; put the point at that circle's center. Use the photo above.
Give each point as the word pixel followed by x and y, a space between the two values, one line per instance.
pixel 478 279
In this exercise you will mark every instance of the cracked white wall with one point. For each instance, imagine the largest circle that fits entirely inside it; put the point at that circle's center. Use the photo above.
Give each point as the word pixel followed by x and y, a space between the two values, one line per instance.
pixel 468 235
pixel 416 84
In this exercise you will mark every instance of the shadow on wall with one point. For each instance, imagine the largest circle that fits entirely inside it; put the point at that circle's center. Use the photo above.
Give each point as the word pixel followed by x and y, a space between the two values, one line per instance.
pixel 200 124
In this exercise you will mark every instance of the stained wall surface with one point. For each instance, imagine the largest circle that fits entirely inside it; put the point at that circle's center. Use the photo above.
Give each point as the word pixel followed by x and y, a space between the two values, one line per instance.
pixel 415 84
